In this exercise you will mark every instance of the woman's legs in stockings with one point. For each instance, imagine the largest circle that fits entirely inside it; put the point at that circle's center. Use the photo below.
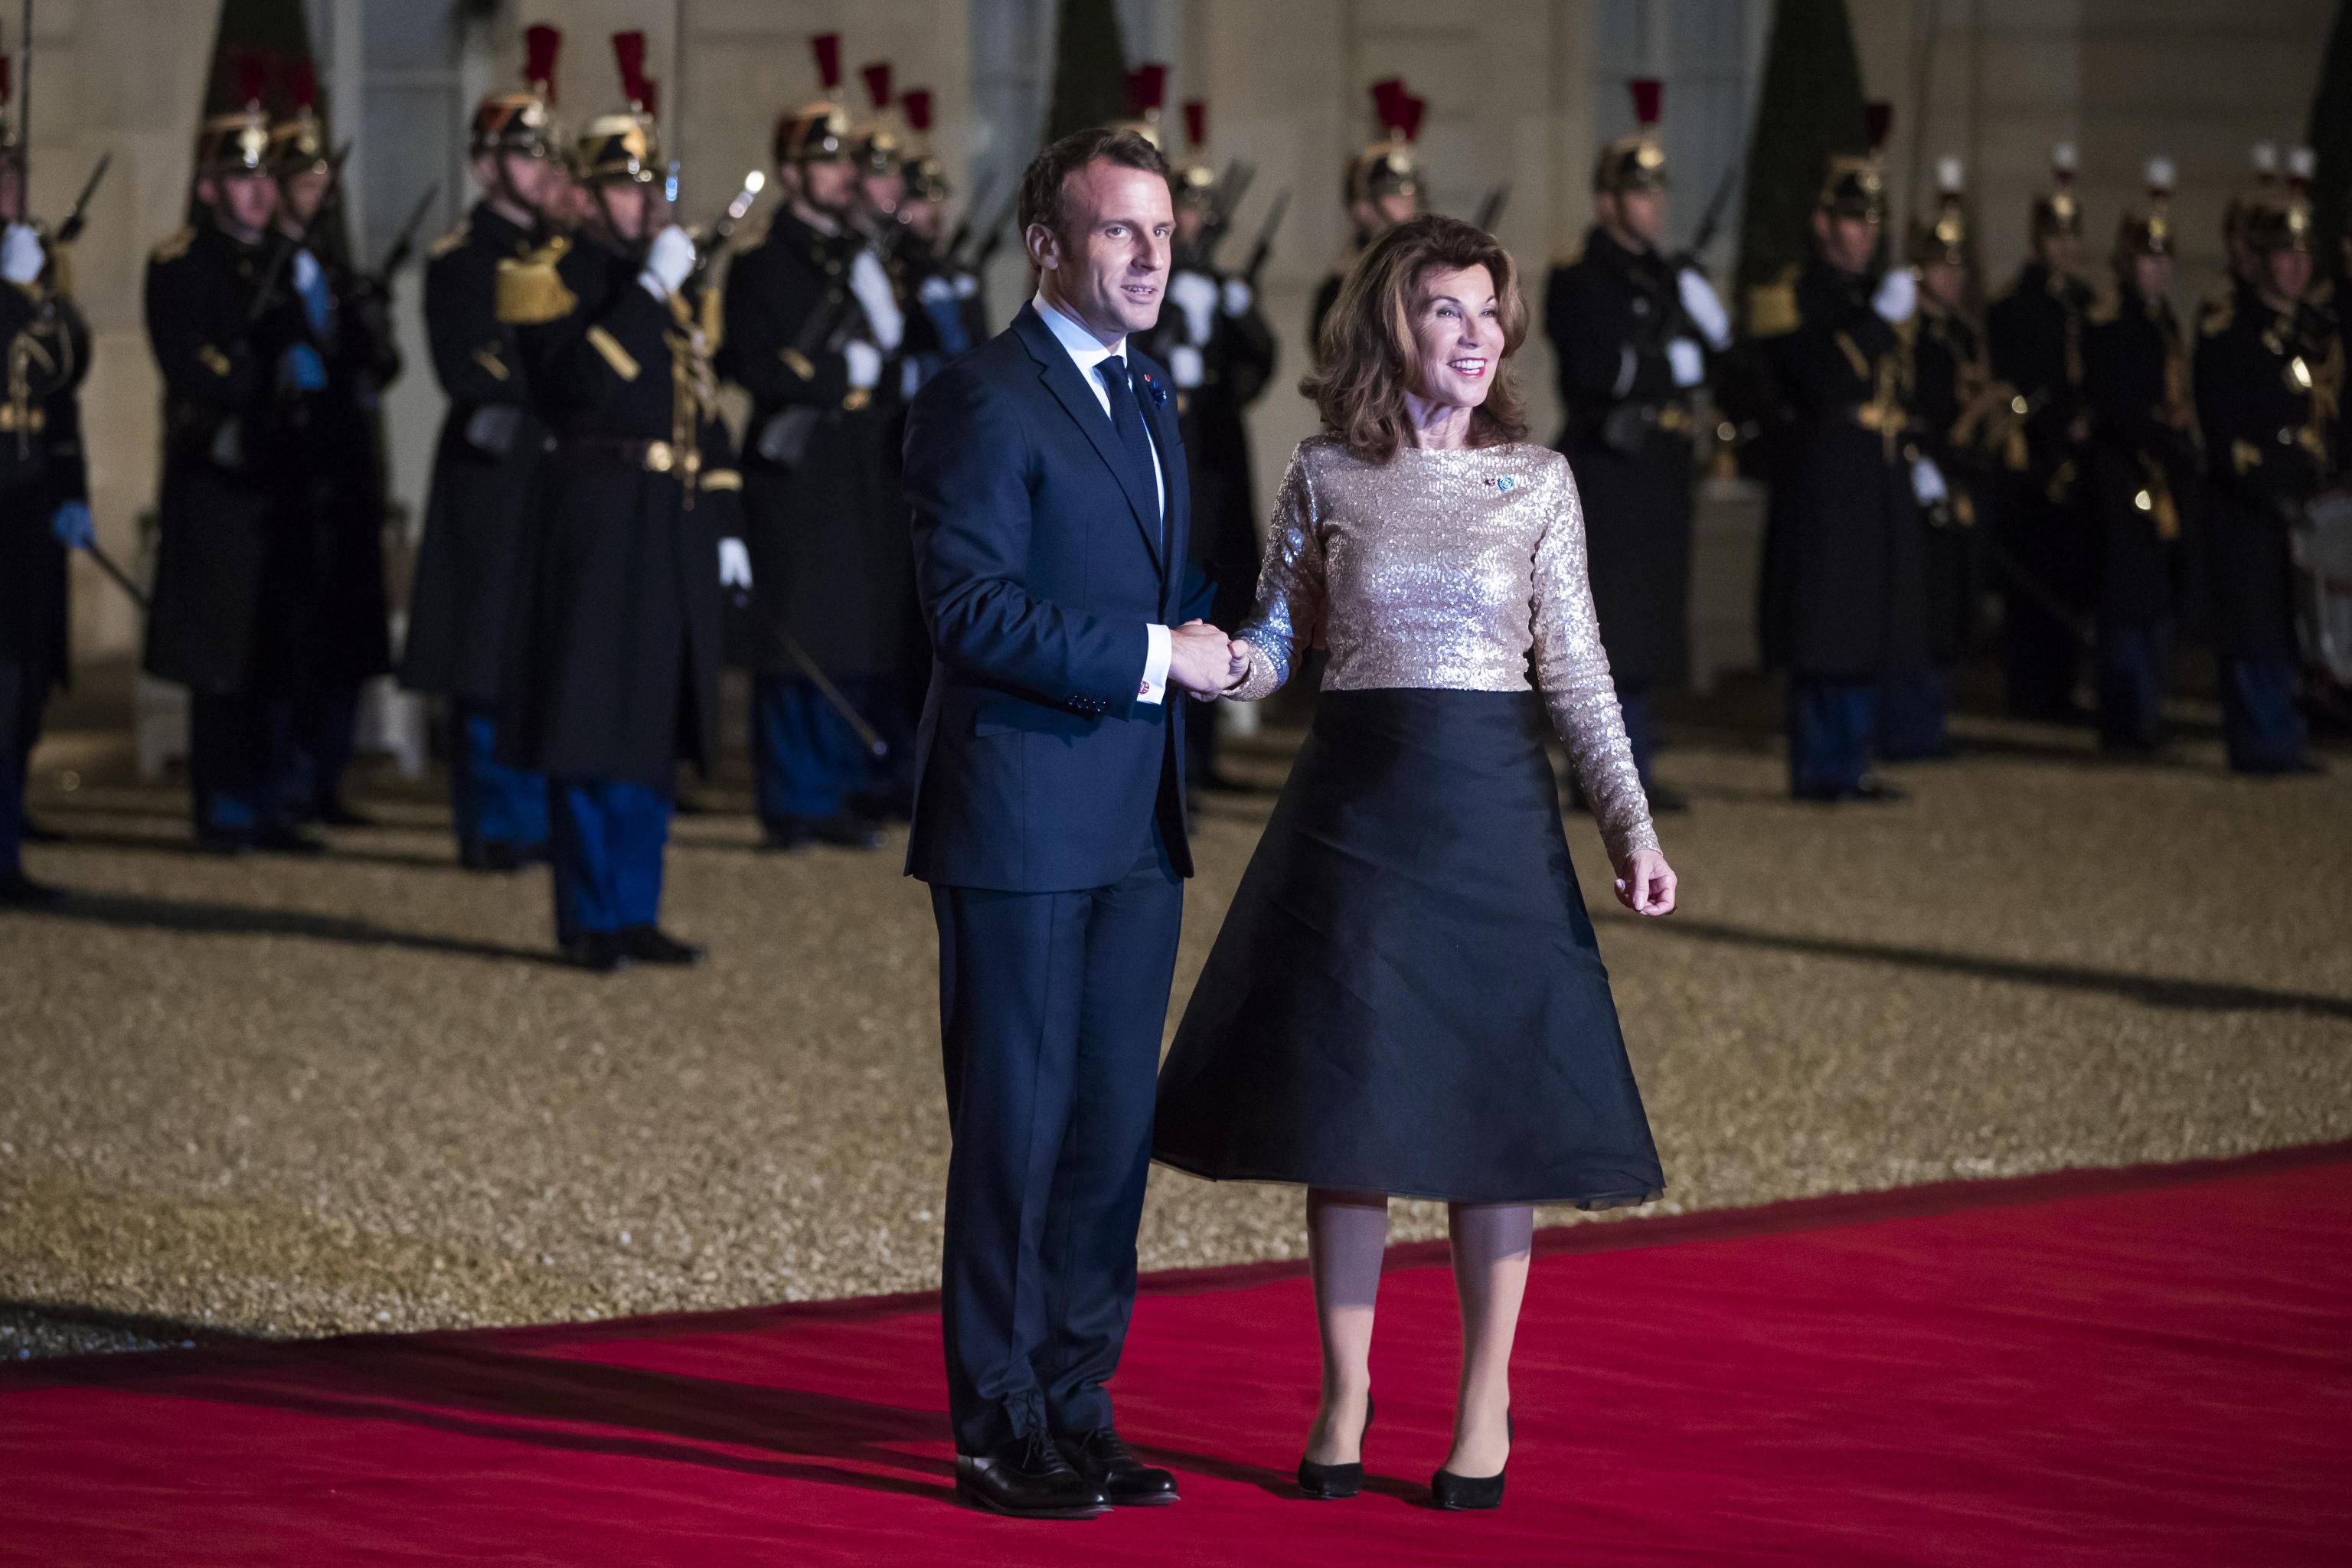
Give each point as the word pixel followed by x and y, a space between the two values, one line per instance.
pixel 1346 1233
pixel 1492 1245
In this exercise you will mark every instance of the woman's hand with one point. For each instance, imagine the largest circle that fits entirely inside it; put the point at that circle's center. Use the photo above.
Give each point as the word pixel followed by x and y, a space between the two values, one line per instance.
pixel 1645 883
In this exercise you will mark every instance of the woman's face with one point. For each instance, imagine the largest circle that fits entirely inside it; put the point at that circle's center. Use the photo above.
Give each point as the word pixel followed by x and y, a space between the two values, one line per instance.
pixel 1458 333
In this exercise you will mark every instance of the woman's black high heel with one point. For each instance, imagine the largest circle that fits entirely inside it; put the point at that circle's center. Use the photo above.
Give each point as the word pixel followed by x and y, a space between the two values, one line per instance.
pixel 1464 1493
pixel 1331 1482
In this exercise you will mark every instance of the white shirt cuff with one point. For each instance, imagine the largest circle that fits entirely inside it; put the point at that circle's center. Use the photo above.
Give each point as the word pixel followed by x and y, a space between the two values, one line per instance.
pixel 1159 647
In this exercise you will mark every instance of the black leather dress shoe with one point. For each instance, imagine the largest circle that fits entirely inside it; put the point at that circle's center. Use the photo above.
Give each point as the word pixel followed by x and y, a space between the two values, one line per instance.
pixel 285 839
pixel 846 832
pixel 597 951
pixel 1875 791
pixel 19 891
pixel 36 833
pixel 1029 1479
pixel 651 944
pixel 338 814
pixel 1116 1472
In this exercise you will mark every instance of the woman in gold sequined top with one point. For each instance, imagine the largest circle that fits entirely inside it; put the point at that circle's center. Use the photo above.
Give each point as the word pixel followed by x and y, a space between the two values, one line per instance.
pixel 1406 997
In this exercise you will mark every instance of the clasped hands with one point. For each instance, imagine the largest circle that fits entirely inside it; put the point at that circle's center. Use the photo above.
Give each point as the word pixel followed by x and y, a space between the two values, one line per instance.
pixel 1204 661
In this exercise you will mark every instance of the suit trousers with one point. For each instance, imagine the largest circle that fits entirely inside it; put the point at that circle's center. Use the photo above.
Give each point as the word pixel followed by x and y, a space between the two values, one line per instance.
pixel 1832 729
pixel 2261 725
pixel 20 727
pixel 237 763
pixel 1052 1008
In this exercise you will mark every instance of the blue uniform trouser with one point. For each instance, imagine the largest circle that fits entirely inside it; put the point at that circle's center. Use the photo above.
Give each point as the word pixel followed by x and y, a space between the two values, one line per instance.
pixel 237 768
pixel 1911 711
pixel 2259 720
pixel 807 763
pixel 322 730
pixel 2131 685
pixel 1832 724
pixel 1633 703
pixel 20 710
pixel 490 801
pixel 606 850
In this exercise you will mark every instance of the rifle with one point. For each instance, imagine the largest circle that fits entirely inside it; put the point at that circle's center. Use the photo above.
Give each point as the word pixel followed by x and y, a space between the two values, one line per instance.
pixel 721 229
pixel 1232 190
pixel 1711 219
pixel 266 292
pixel 962 234
pixel 992 238
pixel 406 244
pixel 70 230
pixel 1264 246
pixel 1490 211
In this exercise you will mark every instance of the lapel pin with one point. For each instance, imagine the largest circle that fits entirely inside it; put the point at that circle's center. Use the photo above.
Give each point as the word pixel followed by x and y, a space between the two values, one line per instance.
pixel 1157 393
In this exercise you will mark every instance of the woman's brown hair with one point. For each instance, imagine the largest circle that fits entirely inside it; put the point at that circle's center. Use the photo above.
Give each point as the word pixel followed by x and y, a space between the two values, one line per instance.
pixel 1366 359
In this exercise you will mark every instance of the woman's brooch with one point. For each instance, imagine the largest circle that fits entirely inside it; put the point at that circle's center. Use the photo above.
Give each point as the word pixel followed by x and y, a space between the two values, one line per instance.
pixel 1505 484
pixel 1157 393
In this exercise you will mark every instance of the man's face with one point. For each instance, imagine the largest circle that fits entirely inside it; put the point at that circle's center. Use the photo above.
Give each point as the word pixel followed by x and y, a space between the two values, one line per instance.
pixel 247 201
pixel 2152 276
pixel 1641 214
pixel 1108 265
pixel 1946 283
pixel 829 186
pixel 1190 219
pixel 2287 272
pixel 627 208
pixel 2059 252
pixel 1396 207
pixel 302 195
pixel 925 217
pixel 527 180
pixel 881 194
pixel 1847 243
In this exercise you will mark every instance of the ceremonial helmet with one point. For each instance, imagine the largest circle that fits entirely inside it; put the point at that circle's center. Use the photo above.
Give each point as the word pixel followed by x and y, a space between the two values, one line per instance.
pixel 523 122
pixel 298 143
pixel 238 142
pixel 1944 239
pixel 927 173
pixel 2056 211
pixel 2280 217
pixel 626 145
pixel 2262 162
pixel 874 144
pixel 1386 166
pixel 1192 182
pixel 2148 232
pixel 817 133
pixel 1635 162
pixel 1855 186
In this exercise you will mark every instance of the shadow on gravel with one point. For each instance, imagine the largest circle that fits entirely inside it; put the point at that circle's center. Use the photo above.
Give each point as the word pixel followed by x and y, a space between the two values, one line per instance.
pixel 138 913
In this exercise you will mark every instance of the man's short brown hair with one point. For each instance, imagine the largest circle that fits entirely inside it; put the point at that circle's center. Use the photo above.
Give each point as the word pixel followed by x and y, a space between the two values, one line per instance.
pixel 1041 182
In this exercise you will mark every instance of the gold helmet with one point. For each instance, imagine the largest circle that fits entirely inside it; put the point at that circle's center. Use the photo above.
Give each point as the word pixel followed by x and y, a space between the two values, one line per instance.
pixel 1944 239
pixel 298 144
pixel 927 173
pixel 238 142
pixel 523 122
pixel 626 145
pixel 1386 167
pixel 1635 162
pixel 817 133
pixel 2280 219
pixel 1856 186
pixel 2148 232
pixel 874 144
pixel 2057 211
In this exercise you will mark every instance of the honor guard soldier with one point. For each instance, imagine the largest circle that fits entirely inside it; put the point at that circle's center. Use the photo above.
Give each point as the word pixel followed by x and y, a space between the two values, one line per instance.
pixel 2262 380
pixel 1844 547
pixel 1631 330
pixel 233 572
pixel 333 479
pixel 1219 351
pixel 2036 333
pixel 1957 415
pixel 814 327
pixel 616 678
pixel 2142 467
pixel 1382 190
pixel 946 320
pixel 485 469
pixel 44 495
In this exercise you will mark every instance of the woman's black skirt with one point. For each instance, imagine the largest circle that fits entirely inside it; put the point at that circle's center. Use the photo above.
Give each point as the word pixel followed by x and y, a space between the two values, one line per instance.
pixel 1406 997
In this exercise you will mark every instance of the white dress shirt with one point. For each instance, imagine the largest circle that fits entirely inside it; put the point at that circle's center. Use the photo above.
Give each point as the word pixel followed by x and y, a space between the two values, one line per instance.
pixel 1088 352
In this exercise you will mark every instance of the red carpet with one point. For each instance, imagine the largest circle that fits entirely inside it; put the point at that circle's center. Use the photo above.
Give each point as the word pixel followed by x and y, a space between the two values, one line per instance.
pixel 2150 1366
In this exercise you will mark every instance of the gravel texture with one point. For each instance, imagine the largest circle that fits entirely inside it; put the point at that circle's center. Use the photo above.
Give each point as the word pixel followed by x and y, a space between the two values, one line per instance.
pixel 282 1097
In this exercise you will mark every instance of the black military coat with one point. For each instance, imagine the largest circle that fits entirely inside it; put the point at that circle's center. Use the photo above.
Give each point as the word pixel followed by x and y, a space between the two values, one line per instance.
pixel 41 467
pixel 1627 437
pixel 2267 452
pixel 1951 399
pixel 234 570
pixel 2142 461
pixel 613 668
pixel 484 469
pixel 2035 333
pixel 1237 357
pixel 832 558
pixel 1844 569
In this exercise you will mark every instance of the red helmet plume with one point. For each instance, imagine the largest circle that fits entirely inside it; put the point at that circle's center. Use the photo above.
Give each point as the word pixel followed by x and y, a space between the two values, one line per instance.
pixel 826 46
pixel 1196 122
pixel 878 83
pixel 301 85
pixel 917 103
pixel 1879 118
pixel 249 69
pixel 629 54
pixel 540 45
pixel 1649 93
pixel 1147 89
pixel 1409 124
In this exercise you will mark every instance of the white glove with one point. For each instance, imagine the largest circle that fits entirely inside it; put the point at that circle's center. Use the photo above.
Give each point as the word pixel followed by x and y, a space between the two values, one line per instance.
pixel 1184 365
pixel 936 290
pixel 21 257
pixel 871 284
pixel 1687 362
pixel 1704 307
pixel 1237 297
pixel 734 564
pixel 668 263
pixel 865 363
pixel 1195 294
pixel 1899 293
pixel 967 285
pixel 1927 482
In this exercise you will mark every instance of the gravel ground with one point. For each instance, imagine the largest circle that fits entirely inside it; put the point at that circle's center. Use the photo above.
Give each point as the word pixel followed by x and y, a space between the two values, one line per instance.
pixel 281 1098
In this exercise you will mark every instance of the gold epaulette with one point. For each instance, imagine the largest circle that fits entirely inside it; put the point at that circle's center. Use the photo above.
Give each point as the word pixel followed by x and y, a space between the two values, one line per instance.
pixel 2106 305
pixel 1772 309
pixel 174 246
pixel 2216 312
pixel 449 241
pixel 1573 259
pixel 530 290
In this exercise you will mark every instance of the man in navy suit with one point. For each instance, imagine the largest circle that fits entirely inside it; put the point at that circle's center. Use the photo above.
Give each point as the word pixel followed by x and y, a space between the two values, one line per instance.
pixel 1046 479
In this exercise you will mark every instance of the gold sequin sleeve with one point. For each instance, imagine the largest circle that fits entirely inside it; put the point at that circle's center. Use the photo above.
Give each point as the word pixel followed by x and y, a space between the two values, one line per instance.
pixel 1290 588
pixel 1572 672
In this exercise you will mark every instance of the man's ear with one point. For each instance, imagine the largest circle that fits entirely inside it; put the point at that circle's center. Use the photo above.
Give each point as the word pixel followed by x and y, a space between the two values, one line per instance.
pixel 1043 246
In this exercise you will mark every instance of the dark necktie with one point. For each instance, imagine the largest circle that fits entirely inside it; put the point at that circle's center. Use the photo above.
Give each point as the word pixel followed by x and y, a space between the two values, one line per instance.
pixel 1134 445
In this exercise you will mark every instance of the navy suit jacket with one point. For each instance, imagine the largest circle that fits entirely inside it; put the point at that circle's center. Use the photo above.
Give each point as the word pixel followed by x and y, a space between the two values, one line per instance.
pixel 1039 567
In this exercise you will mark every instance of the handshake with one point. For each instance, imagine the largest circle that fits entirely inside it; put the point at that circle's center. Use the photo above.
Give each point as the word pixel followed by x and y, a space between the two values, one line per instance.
pixel 1204 661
